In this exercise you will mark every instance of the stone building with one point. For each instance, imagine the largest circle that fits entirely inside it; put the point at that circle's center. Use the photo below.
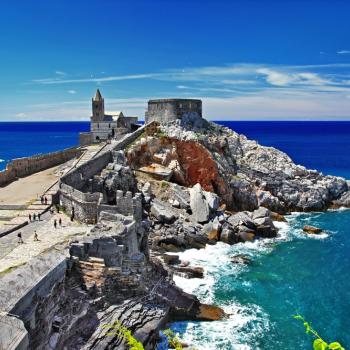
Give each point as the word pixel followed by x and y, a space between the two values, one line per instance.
pixel 171 109
pixel 106 125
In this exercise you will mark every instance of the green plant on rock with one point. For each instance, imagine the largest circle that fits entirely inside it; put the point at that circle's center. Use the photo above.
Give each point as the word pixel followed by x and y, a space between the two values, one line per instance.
pixel 117 329
pixel 319 343
pixel 173 340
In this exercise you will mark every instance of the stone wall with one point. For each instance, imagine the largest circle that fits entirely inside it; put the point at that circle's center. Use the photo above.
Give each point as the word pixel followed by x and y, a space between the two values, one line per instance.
pixel 85 138
pixel 168 110
pixel 87 206
pixel 21 167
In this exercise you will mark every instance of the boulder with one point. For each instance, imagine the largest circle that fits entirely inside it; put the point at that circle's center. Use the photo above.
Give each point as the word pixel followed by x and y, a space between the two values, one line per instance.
pixel 171 259
pixel 261 212
pixel 210 313
pixel 240 259
pixel 211 231
pixel 312 229
pixel 157 171
pixel 212 200
pixel 241 218
pixel 190 271
pixel 246 236
pixel 163 212
pixel 277 217
pixel 199 204
pixel 228 235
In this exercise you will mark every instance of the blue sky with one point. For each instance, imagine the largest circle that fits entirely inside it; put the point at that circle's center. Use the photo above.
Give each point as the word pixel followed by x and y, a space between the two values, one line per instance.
pixel 244 59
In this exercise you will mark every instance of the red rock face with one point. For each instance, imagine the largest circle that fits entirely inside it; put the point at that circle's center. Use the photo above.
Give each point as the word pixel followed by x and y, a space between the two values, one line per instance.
pixel 199 167
pixel 195 162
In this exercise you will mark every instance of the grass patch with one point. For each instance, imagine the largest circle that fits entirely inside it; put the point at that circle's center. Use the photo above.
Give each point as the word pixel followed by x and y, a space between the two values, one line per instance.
pixel 10 269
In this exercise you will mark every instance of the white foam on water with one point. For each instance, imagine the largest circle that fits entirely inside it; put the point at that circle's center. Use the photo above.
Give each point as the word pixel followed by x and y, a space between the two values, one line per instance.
pixel 245 325
pixel 2 160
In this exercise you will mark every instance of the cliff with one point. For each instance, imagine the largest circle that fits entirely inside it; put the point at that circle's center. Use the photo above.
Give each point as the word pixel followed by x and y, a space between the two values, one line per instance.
pixel 161 190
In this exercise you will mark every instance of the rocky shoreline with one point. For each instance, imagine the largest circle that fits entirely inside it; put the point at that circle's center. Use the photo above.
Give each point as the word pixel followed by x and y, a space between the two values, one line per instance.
pixel 172 187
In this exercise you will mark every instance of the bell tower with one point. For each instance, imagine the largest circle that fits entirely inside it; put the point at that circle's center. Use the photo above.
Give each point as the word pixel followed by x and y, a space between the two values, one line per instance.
pixel 98 107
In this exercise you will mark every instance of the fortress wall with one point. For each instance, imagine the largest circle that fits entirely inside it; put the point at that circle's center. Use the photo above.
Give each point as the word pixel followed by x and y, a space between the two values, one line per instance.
pixel 85 138
pixel 169 110
pixel 87 206
pixel 77 177
pixel 21 167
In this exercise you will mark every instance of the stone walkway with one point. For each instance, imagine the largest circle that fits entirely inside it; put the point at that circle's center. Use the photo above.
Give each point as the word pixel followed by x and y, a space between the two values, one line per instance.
pixel 13 254
pixel 22 197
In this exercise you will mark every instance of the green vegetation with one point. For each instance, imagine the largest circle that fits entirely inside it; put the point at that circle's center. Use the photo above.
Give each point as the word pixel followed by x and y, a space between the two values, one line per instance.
pixel 164 185
pixel 117 329
pixel 10 269
pixel 160 133
pixel 173 340
pixel 319 343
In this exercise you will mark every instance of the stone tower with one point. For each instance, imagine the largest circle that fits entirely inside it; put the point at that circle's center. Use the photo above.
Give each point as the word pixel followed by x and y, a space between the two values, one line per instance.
pixel 98 107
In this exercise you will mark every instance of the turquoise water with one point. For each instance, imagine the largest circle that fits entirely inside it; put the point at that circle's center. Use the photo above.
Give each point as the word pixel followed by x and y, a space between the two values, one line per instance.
pixel 294 273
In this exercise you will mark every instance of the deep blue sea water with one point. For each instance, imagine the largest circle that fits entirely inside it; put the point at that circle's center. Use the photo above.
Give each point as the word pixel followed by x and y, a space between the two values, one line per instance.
pixel 292 273
pixel 29 138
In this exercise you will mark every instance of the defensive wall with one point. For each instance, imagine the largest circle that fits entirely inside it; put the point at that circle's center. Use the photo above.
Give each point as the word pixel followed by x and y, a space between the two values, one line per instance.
pixel 171 109
pixel 21 167
pixel 88 206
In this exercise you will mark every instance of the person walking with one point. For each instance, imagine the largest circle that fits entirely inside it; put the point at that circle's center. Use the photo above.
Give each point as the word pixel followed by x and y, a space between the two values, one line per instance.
pixel 45 199
pixel 30 218
pixel 60 221
pixel 36 237
pixel 55 223
pixel 34 217
pixel 20 240
pixel 39 216
pixel 42 199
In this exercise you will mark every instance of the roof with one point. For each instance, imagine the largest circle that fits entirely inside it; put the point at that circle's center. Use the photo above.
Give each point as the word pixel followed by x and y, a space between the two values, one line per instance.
pixel 98 96
pixel 115 113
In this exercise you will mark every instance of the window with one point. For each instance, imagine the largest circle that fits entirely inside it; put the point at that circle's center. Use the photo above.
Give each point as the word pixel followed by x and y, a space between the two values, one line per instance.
pixel 109 126
pixel 98 125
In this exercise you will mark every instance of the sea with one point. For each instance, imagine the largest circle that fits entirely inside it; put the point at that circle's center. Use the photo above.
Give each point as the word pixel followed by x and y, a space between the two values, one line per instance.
pixel 292 274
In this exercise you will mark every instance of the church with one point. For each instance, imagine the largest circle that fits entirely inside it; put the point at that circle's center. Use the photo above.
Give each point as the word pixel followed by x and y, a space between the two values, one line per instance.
pixel 106 125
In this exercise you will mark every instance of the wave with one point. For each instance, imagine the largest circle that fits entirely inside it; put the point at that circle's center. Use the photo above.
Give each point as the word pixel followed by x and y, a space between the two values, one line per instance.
pixel 247 323
pixel 2 160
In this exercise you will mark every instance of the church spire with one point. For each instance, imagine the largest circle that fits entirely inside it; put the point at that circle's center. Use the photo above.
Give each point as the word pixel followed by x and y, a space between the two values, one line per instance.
pixel 98 96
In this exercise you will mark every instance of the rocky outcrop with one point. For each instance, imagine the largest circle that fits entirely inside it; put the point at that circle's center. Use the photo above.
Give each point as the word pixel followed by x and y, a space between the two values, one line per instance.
pixel 261 176
pixel 312 229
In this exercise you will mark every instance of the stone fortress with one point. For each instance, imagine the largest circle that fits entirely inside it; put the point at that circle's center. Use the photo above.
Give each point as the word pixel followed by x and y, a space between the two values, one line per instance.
pixel 171 109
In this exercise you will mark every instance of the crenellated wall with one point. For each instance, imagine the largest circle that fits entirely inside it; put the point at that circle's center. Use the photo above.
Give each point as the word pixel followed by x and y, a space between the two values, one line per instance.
pixel 21 167
pixel 87 206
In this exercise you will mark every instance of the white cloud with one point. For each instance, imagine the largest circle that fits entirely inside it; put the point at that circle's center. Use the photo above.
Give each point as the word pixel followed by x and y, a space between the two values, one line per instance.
pixel 72 92
pixel 21 115
pixel 343 52
pixel 60 72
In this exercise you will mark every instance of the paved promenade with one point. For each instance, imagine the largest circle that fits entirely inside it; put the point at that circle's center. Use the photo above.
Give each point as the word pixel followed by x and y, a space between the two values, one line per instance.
pixel 22 197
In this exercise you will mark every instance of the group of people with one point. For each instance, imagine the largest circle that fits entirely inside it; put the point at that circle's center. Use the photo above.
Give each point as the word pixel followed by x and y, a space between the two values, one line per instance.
pixel 59 222
pixel 34 217
pixel 20 239
pixel 43 200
